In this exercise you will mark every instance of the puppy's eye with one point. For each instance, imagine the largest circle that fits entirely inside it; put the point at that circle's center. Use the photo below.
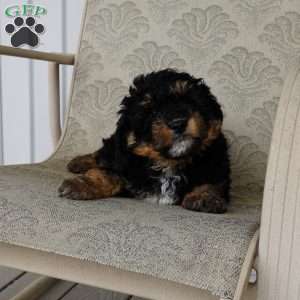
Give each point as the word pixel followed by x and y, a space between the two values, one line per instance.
pixel 145 103
pixel 179 123
pixel 131 140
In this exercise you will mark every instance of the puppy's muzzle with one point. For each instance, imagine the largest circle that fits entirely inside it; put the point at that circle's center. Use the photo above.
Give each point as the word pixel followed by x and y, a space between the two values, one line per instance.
pixel 181 146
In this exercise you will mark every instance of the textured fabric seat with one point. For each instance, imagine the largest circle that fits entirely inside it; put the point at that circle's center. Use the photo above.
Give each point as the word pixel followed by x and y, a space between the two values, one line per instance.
pixel 243 50
pixel 197 249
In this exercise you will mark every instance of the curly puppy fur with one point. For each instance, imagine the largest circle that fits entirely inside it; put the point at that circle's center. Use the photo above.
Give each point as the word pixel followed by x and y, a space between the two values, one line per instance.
pixel 167 148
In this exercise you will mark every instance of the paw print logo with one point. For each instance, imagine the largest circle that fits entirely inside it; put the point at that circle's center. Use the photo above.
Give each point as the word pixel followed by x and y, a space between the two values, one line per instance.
pixel 24 32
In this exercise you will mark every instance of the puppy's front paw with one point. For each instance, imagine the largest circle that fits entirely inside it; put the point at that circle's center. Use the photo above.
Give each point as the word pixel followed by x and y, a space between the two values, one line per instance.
pixel 78 188
pixel 206 201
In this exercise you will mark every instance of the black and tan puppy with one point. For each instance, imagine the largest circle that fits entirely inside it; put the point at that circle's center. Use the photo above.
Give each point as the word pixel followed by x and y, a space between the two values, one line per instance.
pixel 167 148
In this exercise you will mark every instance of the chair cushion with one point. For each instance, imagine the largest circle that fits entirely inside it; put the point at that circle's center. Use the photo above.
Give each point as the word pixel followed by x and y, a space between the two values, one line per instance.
pixel 197 249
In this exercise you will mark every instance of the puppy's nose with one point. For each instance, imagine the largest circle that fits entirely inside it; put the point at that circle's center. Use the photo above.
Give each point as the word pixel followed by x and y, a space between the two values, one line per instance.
pixel 178 125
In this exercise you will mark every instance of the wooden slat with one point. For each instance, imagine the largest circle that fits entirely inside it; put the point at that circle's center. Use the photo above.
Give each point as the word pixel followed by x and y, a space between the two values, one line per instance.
pixel 7 275
pixel 83 292
pixel 18 285
pixel 58 291
pixel 36 289
pixel 247 267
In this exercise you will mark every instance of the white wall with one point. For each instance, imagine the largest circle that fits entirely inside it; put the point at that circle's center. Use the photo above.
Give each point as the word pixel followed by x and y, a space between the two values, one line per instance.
pixel 24 121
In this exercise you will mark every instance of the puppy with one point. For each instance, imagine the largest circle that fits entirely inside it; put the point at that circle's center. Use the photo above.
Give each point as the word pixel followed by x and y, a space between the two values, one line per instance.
pixel 168 148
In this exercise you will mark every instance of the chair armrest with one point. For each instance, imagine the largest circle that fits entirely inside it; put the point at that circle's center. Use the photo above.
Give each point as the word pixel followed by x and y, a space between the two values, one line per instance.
pixel 59 58
pixel 54 59
pixel 247 267
pixel 281 214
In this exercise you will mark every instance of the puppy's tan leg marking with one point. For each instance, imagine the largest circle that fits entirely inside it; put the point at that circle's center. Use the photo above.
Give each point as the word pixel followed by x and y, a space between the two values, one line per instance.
pixel 94 184
pixel 83 163
pixel 207 198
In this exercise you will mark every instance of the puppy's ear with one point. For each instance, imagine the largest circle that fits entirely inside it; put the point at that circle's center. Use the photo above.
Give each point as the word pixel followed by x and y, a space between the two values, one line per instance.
pixel 215 119
pixel 215 127
pixel 215 112
pixel 123 127
pixel 121 139
pixel 138 92
pixel 211 110
pixel 208 102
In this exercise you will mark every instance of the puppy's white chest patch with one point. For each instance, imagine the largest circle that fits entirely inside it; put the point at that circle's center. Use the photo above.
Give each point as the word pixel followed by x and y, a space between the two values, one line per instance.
pixel 167 195
pixel 180 147
pixel 168 188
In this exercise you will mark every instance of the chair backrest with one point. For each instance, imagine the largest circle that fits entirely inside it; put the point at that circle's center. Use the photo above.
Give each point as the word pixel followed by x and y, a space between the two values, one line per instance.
pixel 242 48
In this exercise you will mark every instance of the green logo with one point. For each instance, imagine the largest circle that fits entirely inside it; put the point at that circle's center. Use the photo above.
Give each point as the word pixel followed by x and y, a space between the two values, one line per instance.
pixel 25 10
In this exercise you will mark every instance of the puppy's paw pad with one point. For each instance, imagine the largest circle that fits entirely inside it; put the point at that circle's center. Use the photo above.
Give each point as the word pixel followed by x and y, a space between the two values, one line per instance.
pixel 192 202
pixel 74 188
pixel 206 202
pixel 66 187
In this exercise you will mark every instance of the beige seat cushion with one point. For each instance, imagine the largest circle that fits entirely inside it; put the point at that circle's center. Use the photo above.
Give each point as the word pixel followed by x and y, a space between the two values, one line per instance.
pixel 196 249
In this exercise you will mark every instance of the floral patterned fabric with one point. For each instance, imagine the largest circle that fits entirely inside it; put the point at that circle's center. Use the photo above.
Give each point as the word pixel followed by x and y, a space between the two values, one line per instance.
pixel 243 49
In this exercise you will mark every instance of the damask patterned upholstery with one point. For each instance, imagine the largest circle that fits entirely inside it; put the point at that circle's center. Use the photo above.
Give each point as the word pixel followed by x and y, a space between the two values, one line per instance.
pixel 243 49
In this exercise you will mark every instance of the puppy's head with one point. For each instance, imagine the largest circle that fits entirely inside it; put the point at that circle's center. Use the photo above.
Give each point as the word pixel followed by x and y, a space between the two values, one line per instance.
pixel 169 114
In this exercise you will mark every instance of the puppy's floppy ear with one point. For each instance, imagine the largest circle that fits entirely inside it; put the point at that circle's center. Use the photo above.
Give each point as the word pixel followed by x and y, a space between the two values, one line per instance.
pixel 121 139
pixel 208 101
pixel 214 126
pixel 138 92
pixel 123 125
pixel 213 112
pixel 215 120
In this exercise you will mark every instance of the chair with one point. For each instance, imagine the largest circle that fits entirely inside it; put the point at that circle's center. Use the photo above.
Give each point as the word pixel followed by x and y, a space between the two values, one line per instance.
pixel 248 52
